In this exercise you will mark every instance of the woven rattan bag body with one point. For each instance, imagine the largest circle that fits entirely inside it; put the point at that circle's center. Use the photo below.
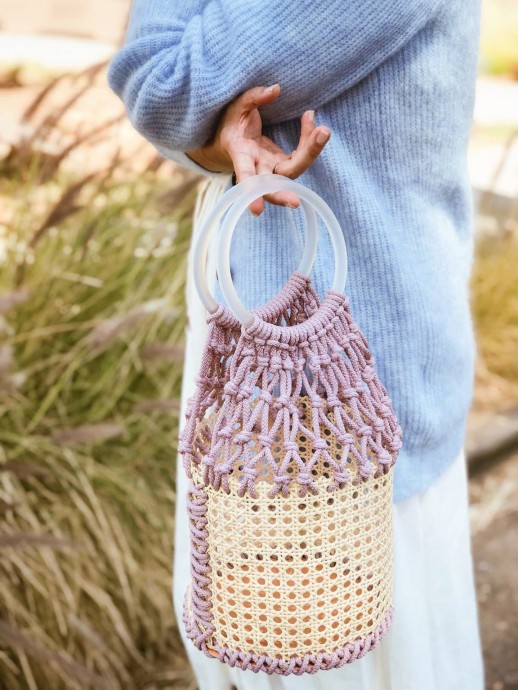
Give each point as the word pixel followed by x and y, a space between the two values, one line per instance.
pixel 289 454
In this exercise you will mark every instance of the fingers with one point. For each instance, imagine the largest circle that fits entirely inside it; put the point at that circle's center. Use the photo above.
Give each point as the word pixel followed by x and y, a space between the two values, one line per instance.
pixel 244 166
pixel 253 154
pixel 256 97
pixel 307 125
pixel 312 141
pixel 278 198
pixel 252 99
pixel 244 161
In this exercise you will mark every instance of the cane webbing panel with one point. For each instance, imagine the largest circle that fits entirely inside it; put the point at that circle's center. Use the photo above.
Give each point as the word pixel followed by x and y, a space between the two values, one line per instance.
pixel 296 575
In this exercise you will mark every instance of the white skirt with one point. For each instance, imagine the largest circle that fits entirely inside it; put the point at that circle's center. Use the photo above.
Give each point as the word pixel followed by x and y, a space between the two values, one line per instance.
pixel 434 641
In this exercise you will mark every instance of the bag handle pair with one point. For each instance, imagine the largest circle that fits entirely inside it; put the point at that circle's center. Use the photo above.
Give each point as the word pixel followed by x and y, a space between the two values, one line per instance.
pixel 234 202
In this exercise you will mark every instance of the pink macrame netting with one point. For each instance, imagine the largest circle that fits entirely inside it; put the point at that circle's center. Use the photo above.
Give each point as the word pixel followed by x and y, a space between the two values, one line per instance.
pixel 294 304
pixel 325 359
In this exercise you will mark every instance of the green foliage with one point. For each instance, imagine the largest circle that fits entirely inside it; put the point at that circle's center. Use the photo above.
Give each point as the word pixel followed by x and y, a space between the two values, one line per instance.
pixel 91 318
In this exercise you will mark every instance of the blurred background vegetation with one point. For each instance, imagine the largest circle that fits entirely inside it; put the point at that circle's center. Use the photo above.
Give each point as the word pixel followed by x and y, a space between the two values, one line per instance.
pixel 94 231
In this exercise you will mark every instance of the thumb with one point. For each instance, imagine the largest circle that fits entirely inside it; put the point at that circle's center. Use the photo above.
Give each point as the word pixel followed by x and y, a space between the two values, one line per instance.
pixel 258 96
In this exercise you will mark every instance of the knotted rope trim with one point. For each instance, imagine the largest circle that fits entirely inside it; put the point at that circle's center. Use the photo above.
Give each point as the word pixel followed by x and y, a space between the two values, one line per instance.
pixel 309 663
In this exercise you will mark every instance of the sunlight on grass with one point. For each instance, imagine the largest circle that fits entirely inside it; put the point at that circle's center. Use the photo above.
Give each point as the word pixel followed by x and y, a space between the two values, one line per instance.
pixel 92 318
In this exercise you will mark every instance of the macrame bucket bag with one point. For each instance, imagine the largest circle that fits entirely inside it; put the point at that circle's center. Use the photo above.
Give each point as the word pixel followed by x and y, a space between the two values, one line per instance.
pixel 289 447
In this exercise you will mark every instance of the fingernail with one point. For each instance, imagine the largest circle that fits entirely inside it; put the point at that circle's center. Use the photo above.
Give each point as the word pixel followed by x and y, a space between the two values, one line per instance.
pixel 269 89
pixel 311 115
pixel 255 213
pixel 322 137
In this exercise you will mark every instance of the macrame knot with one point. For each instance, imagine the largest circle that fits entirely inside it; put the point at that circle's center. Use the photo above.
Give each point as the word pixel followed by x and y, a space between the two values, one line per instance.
pixel 365 470
pixel 281 484
pixel 368 374
pixel 226 432
pixel 385 411
pixel 222 349
pixel 395 444
pixel 319 444
pixel 184 447
pixel 276 363
pixel 345 341
pixel 221 468
pixel 208 381
pixel 350 393
pixel 364 431
pixel 250 473
pixel 265 441
pixel 204 380
pixel 384 457
pixel 208 461
pixel 341 477
pixel 345 439
pixel 333 402
pixel 244 393
pixel 298 366
pixel 283 402
pixel 288 363
pixel 378 424
pixel 330 325
pixel 244 437
pixel 314 363
pixel 266 397
pixel 282 480
pixel 290 446
pixel 262 361
pixel 231 388
pixel 304 479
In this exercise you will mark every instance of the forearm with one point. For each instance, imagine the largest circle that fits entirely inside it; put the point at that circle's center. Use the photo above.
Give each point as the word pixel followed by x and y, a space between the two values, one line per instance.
pixel 177 71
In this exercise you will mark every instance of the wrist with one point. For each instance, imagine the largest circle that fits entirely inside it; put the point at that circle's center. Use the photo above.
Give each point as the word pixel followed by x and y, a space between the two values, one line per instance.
pixel 209 159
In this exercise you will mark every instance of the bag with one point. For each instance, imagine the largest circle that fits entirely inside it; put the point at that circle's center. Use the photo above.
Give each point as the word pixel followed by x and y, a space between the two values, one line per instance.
pixel 289 448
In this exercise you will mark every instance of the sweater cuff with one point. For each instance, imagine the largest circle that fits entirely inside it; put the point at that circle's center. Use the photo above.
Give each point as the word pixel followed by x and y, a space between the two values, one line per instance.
pixel 183 159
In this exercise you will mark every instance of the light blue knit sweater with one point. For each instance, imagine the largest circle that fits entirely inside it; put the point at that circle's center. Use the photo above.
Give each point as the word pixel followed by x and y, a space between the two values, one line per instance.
pixel 394 82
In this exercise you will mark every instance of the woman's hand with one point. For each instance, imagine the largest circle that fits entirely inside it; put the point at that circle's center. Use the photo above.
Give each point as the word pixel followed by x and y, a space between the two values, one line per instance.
pixel 239 146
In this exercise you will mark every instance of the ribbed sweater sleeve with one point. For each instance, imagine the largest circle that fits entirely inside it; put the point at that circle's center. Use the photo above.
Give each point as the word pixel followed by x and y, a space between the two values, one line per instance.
pixel 184 60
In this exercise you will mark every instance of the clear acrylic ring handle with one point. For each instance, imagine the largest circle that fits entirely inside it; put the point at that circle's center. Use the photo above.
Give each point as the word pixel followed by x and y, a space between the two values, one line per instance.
pixel 249 190
pixel 226 201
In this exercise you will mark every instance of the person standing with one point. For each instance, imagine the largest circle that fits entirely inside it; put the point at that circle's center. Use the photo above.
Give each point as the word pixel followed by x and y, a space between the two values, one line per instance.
pixel 234 88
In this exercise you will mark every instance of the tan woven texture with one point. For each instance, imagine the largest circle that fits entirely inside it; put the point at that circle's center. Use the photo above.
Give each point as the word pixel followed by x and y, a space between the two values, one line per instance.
pixel 292 576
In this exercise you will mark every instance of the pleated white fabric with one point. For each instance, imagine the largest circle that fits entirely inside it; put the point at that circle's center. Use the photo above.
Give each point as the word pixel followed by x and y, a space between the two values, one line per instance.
pixel 434 642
